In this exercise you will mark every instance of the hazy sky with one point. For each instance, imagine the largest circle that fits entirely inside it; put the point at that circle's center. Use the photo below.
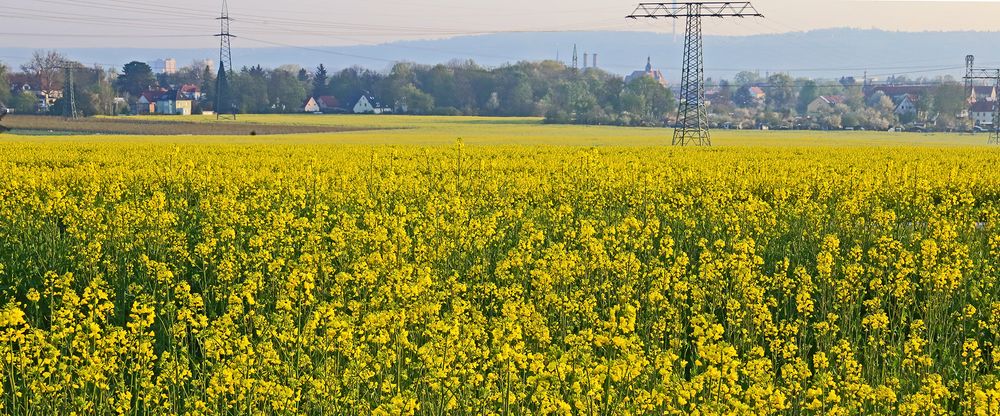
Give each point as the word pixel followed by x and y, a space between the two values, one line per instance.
pixel 190 24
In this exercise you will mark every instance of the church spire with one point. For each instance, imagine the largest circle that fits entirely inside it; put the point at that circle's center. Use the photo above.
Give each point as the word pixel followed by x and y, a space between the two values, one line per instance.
pixel 649 64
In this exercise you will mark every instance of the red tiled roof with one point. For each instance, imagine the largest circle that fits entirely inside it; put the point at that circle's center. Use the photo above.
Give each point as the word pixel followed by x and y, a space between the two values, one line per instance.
pixel 327 101
pixel 152 95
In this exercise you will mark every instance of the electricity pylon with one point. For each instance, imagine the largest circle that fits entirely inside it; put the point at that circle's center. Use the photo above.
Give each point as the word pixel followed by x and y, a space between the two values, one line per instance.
pixel 223 100
pixel 971 74
pixel 692 116
pixel 69 90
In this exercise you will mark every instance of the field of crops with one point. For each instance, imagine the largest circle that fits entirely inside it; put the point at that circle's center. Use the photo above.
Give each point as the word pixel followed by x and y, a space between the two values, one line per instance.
pixel 163 126
pixel 161 276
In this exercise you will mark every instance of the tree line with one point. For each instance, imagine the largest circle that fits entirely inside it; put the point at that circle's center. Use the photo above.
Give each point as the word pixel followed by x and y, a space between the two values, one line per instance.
pixel 548 89
pixel 939 103
pixel 551 89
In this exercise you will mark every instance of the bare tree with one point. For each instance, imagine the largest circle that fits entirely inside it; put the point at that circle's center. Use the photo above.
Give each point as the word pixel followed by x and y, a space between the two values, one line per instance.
pixel 44 66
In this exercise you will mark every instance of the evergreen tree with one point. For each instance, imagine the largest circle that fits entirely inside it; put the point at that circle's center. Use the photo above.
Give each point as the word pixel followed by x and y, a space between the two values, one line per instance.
pixel 223 101
pixel 319 82
pixel 207 89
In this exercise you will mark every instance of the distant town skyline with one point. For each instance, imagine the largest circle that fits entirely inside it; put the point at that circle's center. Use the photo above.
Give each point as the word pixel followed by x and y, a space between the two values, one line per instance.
pixel 259 23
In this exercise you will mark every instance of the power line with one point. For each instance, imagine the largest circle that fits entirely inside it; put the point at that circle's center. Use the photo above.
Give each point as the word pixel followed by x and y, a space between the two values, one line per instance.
pixel 91 35
pixel 306 48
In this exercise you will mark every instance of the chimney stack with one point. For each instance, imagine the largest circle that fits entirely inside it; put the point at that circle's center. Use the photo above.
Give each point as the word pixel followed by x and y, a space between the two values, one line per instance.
pixel 584 60
pixel 595 61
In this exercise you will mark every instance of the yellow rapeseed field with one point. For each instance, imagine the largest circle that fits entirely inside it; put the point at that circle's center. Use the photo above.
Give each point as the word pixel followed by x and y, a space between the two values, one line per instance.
pixel 169 277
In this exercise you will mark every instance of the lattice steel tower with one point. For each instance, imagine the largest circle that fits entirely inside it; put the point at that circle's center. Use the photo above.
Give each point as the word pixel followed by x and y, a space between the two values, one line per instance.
pixel 970 63
pixel 69 89
pixel 223 100
pixel 692 116
pixel 971 74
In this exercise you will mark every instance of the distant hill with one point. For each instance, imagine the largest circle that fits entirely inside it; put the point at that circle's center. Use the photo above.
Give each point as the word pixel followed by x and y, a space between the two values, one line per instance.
pixel 825 53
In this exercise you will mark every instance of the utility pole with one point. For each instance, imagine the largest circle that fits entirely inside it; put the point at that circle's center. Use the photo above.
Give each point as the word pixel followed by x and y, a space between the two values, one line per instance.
pixel 692 116
pixel 223 99
pixel 972 73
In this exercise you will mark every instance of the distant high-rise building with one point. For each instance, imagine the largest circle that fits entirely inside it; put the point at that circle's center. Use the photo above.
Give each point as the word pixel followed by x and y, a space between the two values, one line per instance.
pixel 163 66
pixel 170 66
pixel 158 66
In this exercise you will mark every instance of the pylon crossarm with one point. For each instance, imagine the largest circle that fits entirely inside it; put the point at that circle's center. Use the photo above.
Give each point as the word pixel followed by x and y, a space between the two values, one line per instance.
pixel 971 74
pixel 990 74
pixel 700 9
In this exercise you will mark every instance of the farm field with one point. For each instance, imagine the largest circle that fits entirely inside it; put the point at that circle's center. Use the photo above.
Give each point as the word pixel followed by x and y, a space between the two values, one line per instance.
pixel 48 125
pixel 435 131
pixel 524 269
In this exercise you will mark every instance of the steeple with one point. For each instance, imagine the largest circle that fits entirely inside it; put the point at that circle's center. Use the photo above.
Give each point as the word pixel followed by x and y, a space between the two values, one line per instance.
pixel 649 64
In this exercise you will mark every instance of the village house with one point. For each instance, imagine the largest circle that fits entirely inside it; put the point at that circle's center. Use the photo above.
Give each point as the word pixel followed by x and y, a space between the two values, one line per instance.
pixel 904 97
pixel 367 104
pixel 174 103
pixel 906 104
pixel 655 74
pixel 310 106
pixel 322 104
pixel 146 103
pixel 328 104
pixel 22 83
pixel 190 92
pixel 824 102
pixel 981 113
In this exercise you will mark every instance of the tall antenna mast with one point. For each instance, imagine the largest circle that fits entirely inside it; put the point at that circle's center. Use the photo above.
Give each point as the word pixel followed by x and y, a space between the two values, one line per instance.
pixel 223 102
pixel 692 116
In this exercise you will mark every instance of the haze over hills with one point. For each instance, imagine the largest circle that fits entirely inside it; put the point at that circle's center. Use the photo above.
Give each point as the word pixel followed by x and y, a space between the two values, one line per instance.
pixel 828 53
